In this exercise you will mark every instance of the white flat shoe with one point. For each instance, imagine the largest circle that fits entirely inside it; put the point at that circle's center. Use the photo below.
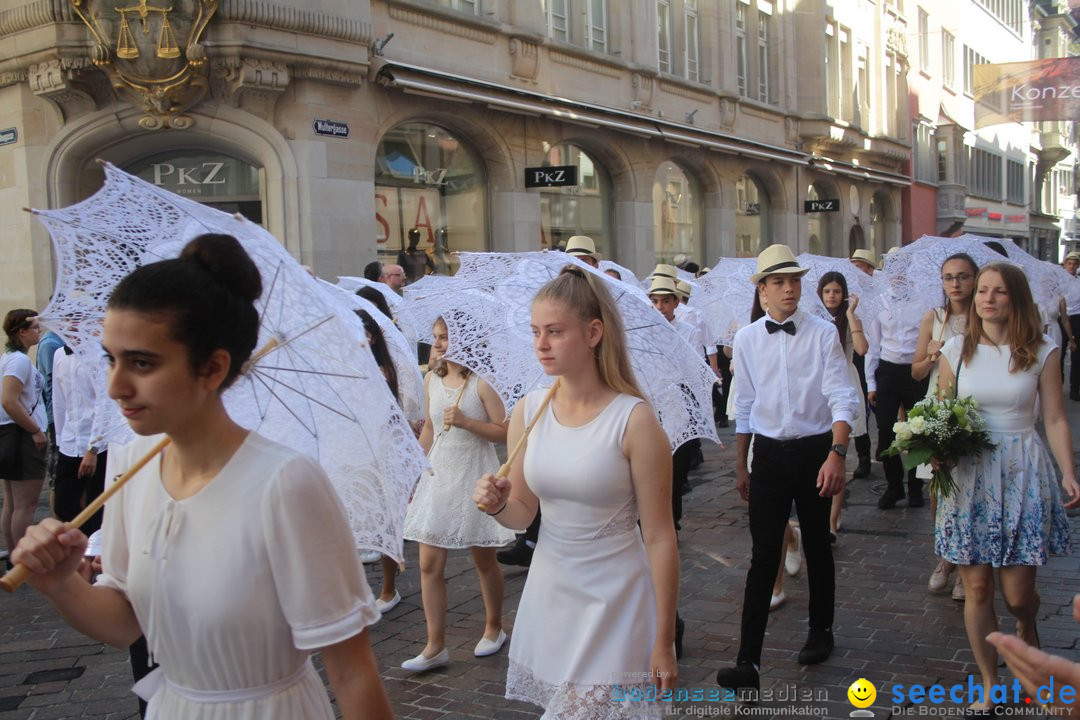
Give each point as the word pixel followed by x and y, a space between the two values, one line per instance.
pixel 793 558
pixel 370 556
pixel 777 600
pixel 489 647
pixel 423 664
pixel 385 606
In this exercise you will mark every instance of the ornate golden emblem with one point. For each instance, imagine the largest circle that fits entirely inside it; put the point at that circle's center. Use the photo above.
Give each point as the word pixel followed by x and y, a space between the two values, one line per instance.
pixel 151 51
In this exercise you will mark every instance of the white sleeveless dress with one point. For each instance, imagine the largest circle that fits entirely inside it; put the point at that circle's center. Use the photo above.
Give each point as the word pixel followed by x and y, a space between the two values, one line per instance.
pixel 586 622
pixel 944 329
pixel 442 512
pixel 1007 507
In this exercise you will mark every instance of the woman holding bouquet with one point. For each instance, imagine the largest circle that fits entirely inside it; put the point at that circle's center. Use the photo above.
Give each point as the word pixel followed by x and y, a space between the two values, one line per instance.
pixel 1005 510
pixel 938 327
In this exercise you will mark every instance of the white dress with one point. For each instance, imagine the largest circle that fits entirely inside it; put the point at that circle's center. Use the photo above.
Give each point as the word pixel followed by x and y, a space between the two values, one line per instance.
pixel 859 424
pixel 1007 508
pixel 587 617
pixel 944 329
pixel 442 512
pixel 237 584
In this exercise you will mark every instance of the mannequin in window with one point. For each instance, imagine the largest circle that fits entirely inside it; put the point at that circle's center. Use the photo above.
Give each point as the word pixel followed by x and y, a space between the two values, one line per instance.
pixel 416 262
pixel 442 249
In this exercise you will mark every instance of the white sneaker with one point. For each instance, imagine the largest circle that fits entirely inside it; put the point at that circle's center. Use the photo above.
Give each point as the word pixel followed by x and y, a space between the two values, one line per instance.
pixel 370 556
pixel 489 647
pixel 385 606
pixel 777 600
pixel 793 558
pixel 423 664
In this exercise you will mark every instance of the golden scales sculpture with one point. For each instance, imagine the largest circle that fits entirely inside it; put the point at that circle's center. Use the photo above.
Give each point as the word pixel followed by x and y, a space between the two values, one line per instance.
pixel 125 41
pixel 165 78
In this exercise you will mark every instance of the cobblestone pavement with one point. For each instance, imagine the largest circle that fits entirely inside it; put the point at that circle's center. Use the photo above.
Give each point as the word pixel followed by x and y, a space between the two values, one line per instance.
pixel 889 630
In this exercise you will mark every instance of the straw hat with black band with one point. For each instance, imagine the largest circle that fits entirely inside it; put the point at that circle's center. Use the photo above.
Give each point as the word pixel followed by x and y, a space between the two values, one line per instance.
pixel 866 256
pixel 683 288
pixel 582 245
pixel 777 260
pixel 668 271
pixel 662 286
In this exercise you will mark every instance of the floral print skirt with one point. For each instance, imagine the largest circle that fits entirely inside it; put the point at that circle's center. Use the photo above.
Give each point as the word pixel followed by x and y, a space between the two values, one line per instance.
pixel 1007 507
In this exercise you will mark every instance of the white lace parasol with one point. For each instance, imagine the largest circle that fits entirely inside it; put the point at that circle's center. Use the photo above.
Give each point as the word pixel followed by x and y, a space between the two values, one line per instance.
pixel 725 296
pixel 488 316
pixel 318 391
pixel 402 352
pixel 1049 281
pixel 625 274
pixel 911 278
pixel 869 292
pixel 404 321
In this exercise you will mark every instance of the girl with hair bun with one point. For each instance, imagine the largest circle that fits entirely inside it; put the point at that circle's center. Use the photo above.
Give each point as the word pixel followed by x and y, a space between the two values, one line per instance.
pixel 596 621
pixel 229 552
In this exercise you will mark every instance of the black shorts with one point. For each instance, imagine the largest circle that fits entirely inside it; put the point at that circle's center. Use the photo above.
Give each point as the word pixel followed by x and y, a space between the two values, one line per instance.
pixel 19 457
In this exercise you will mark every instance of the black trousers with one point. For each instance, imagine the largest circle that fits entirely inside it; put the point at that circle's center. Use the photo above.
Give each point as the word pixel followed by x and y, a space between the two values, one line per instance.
pixel 895 389
pixel 725 382
pixel 1074 356
pixel 862 442
pixel 681 460
pixel 784 472
pixel 532 533
pixel 72 493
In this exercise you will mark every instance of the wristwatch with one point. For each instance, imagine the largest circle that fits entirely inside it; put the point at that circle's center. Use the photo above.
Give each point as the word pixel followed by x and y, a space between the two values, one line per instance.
pixel 840 450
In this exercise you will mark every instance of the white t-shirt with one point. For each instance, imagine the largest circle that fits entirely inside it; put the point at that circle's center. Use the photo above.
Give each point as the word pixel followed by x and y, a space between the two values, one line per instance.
pixel 18 365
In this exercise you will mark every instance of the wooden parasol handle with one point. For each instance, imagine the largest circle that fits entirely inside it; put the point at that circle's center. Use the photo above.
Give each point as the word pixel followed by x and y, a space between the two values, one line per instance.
pixel 524 436
pixel 19 574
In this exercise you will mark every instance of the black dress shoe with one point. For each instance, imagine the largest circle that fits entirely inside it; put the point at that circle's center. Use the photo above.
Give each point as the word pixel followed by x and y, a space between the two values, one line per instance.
pixel 741 676
pixel 888 500
pixel 863 469
pixel 723 422
pixel 680 627
pixel 518 554
pixel 1074 395
pixel 818 647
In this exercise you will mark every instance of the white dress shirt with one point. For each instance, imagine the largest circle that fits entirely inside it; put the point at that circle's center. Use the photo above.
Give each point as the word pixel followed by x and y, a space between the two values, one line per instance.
pixel 689 332
pixel 890 340
pixel 1072 298
pixel 696 318
pixel 74 403
pixel 791 386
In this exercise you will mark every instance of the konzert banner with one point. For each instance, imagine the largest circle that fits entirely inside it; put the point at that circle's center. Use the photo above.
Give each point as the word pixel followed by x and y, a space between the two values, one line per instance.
pixel 1027 91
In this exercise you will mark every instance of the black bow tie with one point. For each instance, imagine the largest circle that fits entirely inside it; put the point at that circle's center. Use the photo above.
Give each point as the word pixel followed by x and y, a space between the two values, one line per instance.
pixel 788 327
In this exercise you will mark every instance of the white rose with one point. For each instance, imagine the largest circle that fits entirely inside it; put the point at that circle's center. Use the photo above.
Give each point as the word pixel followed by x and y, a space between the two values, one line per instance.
pixel 917 425
pixel 902 431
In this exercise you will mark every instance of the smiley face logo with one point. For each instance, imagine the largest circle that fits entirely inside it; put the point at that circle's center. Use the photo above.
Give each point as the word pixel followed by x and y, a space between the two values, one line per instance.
pixel 862 693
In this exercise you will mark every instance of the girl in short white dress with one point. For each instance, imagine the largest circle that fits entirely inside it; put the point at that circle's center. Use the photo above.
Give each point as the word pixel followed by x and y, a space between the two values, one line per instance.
pixel 465 418
pixel 595 627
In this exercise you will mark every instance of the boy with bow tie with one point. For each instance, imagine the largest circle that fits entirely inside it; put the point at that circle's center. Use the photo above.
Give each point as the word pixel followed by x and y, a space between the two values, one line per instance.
pixel 793 395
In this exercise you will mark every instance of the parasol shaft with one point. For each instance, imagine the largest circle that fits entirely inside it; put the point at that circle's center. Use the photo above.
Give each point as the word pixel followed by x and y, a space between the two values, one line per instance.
pixel 524 436
pixel 18 575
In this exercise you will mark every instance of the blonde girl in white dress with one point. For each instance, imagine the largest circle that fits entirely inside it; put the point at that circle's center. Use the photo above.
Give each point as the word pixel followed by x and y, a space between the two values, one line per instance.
pixel 938 327
pixel 596 622
pixel 465 419
pixel 228 551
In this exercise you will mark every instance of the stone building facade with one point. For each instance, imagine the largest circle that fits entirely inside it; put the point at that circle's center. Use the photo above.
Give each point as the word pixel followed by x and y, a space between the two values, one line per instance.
pixel 704 127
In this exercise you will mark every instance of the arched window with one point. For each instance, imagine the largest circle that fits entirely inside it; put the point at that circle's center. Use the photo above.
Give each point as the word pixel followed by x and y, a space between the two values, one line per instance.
pixel 582 209
pixel 676 214
pixel 428 179
pixel 752 234
pixel 821 227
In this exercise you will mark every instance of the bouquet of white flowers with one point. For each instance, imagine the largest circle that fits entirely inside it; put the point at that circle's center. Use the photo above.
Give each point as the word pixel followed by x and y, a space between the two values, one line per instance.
pixel 942 430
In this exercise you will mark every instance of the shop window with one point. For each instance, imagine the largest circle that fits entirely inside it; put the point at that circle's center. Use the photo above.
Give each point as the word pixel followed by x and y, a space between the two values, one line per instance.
pixel 751 217
pixel 583 209
pixel 226 183
pixel 428 179
pixel 676 214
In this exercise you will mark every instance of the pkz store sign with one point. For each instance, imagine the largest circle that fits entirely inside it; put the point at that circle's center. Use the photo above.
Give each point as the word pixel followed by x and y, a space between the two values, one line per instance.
pixel 201 176
pixel 554 176
pixel 816 206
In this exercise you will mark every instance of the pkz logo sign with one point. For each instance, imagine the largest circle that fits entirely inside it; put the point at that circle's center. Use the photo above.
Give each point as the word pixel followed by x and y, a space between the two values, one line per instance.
pixel 331 128
pixel 815 206
pixel 554 176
